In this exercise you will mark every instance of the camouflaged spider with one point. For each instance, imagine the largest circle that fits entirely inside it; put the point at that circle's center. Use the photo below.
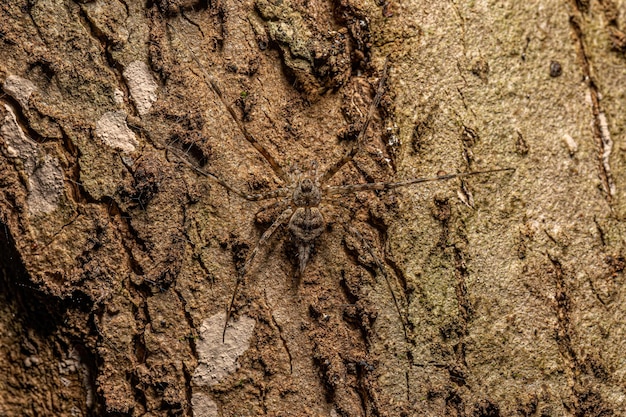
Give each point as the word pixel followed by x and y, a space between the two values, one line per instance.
pixel 305 191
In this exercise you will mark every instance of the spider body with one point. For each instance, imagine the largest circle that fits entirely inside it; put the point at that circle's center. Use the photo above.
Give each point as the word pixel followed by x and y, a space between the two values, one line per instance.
pixel 307 222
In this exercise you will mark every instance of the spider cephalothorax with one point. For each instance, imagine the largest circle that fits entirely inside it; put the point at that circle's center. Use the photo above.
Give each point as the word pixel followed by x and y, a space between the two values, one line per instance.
pixel 307 193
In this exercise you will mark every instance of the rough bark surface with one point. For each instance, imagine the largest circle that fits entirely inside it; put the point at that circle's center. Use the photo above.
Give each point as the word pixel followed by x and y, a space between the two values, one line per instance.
pixel 119 258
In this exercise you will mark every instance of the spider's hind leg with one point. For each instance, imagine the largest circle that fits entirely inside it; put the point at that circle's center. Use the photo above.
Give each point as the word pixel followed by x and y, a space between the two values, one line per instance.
pixel 242 272
pixel 383 271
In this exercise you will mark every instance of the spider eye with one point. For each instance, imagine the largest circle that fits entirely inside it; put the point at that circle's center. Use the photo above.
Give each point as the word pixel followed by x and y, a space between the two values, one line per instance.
pixel 307 185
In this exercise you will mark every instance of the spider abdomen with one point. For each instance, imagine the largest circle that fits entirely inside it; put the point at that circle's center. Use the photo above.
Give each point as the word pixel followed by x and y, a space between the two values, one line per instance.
pixel 306 224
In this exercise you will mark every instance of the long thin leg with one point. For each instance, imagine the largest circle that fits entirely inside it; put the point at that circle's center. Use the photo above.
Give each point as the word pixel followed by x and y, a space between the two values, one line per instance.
pixel 279 192
pixel 356 146
pixel 280 204
pixel 242 272
pixel 377 186
pixel 351 230
pixel 213 85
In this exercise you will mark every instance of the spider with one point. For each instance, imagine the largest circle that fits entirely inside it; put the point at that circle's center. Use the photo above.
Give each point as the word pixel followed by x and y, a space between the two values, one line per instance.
pixel 305 191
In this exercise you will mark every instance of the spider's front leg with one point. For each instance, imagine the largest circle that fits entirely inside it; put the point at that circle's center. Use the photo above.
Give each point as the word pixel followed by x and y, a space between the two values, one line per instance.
pixel 213 85
pixel 333 169
pixel 380 186
pixel 279 192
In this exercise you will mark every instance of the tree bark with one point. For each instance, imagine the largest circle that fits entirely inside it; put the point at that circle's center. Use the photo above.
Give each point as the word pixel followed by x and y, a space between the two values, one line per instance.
pixel 124 154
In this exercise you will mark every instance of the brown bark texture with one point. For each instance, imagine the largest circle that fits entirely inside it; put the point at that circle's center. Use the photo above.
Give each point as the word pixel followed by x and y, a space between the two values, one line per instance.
pixel 122 230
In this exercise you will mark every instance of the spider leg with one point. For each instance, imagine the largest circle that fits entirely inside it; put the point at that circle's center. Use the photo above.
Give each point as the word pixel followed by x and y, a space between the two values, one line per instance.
pixel 213 85
pixel 279 192
pixel 379 265
pixel 336 202
pixel 242 272
pixel 273 205
pixel 379 186
pixel 356 146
